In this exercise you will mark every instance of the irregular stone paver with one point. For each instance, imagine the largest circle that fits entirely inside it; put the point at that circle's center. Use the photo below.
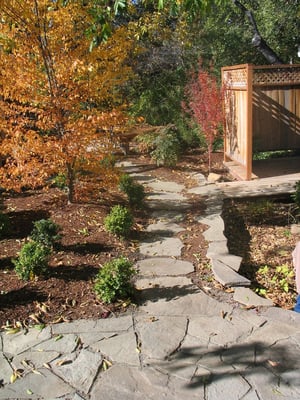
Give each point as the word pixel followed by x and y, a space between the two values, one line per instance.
pixel 167 201
pixel 5 370
pixel 218 249
pixel 122 323
pixel 176 296
pixel 155 343
pixel 60 343
pixel 247 297
pixel 121 348
pixel 284 316
pixel 121 382
pixel 41 385
pixel 164 186
pixel 80 373
pixel 213 233
pixel 227 276
pixel 269 387
pixel 217 330
pixel 163 247
pixel 220 386
pixel 160 266
pixel 169 215
pixel 164 228
pixel 23 340
pixel 34 359
pixel 229 260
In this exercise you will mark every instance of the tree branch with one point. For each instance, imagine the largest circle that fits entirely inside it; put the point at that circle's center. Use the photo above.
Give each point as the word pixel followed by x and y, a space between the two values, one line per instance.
pixel 257 39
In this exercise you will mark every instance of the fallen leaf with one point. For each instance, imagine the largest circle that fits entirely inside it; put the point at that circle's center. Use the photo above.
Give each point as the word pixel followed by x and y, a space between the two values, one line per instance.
pixel 11 331
pixel 273 363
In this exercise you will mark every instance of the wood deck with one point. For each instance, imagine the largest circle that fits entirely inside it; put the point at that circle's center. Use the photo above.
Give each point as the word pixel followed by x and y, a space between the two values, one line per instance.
pixel 266 168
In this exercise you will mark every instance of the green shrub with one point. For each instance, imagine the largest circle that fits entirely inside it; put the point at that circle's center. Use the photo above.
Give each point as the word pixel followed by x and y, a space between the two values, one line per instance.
pixel 45 232
pixel 32 261
pixel 4 225
pixel 60 181
pixel 113 281
pixel 119 221
pixel 134 191
pixel 167 148
pixel 296 195
pixel 108 161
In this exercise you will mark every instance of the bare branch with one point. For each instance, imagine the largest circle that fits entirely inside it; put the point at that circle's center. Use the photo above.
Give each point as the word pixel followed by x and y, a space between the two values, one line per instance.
pixel 257 39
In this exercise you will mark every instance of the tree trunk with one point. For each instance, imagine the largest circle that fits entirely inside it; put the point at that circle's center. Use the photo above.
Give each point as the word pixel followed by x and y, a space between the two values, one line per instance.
pixel 71 182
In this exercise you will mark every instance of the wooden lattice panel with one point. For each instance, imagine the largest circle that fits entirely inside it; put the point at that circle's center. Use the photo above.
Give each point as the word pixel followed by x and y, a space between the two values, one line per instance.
pixel 276 76
pixel 235 78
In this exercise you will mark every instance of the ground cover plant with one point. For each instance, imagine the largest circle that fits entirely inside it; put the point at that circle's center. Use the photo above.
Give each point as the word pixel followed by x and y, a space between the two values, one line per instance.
pixel 259 230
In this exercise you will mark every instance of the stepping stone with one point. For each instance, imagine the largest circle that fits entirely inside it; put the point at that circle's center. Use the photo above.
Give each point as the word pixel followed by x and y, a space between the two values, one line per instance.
pixel 164 247
pixel 164 228
pixel 214 233
pixel 247 297
pixel 217 249
pixel 227 276
pixel 229 260
pixel 170 216
pixel 164 186
pixel 167 201
pixel 176 296
pixel 159 266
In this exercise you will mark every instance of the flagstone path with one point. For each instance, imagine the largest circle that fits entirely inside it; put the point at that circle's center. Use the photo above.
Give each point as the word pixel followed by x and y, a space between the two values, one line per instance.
pixel 179 343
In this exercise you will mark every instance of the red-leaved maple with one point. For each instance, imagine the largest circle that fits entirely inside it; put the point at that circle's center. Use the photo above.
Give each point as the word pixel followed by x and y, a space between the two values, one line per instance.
pixel 205 103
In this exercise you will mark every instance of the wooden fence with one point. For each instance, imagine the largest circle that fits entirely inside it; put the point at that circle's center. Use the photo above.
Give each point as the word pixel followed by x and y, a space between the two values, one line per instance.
pixel 262 112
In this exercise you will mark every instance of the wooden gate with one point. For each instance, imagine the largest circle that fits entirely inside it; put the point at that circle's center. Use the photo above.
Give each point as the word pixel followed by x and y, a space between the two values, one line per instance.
pixel 262 112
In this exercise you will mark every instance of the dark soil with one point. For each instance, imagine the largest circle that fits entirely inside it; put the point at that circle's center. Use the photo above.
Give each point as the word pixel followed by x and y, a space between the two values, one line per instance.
pixel 67 293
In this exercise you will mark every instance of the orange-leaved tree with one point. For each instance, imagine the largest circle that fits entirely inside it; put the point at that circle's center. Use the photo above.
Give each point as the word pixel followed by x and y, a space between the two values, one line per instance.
pixel 60 98
pixel 205 104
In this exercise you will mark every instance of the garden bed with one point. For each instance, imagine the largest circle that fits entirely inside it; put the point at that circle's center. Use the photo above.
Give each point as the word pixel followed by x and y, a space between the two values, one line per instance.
pixel 260 231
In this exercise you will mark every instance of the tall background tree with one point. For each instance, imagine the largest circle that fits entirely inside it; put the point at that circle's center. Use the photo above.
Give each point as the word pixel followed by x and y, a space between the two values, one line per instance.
pixel 72 73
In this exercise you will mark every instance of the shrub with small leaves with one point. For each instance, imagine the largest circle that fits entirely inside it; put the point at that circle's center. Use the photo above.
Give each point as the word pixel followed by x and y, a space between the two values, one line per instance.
pixel 45 232
pixel 134 191
pixel 167 148
pixel 114 280
pixel 32 261
pixel 4 225
pixel 60 181
pixel 119 221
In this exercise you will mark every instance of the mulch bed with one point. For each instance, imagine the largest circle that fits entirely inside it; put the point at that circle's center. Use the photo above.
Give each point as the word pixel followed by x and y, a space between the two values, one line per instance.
pixel 67 293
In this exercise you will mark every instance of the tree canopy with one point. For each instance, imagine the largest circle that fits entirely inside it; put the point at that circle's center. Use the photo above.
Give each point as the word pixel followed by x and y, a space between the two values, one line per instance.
pixel 75 73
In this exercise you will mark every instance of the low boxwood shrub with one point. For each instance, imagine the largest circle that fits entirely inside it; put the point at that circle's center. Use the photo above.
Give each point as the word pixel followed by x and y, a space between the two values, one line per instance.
pixel 45 231
pixel 32 261
pixel 119 221
pixel 135 192
pixel 114 280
